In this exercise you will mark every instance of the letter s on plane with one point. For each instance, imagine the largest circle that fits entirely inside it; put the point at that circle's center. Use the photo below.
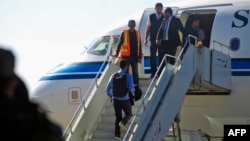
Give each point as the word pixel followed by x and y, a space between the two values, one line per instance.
pixel 239 15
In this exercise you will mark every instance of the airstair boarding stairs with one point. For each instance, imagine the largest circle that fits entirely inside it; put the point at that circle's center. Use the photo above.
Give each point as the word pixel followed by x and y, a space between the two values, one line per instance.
pixel 161 102
pixel 94 118
pixel 87 114
pixel 165 102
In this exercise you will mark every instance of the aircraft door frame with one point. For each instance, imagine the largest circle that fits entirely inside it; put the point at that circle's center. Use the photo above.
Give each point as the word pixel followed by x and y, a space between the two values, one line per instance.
pixel 206 17
pixel 144 67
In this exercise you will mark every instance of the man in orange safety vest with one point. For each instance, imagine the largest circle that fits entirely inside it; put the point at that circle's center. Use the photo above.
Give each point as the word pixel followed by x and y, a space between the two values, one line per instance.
pixel 129 48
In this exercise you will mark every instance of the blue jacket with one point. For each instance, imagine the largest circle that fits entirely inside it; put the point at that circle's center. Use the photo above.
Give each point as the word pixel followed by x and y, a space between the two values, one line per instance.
pixel 129 82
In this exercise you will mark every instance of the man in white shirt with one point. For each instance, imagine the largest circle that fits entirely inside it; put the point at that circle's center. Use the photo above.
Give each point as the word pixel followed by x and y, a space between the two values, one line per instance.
pixel 153 24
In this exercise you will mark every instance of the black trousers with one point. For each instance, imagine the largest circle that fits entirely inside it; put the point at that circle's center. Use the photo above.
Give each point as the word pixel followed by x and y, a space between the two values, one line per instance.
pixel 119 106
pixel 133 61
pixel 153 61
pixel 166 48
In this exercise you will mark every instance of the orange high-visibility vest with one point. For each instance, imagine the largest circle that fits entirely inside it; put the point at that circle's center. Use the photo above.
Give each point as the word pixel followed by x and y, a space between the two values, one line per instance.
pixel 125 47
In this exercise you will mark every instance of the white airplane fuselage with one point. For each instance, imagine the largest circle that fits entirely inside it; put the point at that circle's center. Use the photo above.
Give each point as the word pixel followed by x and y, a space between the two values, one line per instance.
pixel 226 24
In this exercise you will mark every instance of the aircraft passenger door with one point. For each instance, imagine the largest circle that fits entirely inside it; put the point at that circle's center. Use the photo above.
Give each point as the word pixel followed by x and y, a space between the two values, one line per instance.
pixel 144 67
pixel 206 18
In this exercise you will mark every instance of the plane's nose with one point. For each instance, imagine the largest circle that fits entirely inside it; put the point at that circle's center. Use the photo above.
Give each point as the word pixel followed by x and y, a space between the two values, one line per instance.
pixel 42 95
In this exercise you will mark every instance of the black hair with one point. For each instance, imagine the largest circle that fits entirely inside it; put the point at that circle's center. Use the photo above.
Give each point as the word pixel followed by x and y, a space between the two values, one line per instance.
pixel 158 4
pixel 7 62
pixel 123 64
pixel 190 20
pixel 133 21
pixel 195 18
pixel 168 10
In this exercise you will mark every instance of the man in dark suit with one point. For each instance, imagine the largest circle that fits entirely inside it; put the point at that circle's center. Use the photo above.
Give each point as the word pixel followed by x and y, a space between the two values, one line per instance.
pixel 168 36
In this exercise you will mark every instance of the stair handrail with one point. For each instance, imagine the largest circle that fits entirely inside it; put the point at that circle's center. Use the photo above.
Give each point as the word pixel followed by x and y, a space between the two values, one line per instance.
pixel 142 105
pixel 221 45
pixel 82 105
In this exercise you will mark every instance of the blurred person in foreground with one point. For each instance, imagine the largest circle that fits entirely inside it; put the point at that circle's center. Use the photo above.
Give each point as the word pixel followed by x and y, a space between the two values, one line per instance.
pixel 21 119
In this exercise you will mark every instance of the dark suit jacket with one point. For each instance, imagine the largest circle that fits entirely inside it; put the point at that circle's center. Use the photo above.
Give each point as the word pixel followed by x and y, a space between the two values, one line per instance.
pixel 175 26
pixel 192 31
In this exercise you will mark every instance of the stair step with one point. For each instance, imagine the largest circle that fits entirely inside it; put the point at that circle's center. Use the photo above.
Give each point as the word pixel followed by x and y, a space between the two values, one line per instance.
pixel 106 126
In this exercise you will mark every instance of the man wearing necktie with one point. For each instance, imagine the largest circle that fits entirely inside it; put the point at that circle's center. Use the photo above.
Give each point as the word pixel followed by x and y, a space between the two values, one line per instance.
pixel 168 36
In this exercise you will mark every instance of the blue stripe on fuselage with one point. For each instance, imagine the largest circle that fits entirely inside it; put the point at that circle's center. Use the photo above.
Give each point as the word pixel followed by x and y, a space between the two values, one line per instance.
pixel 70 76
pixel 240 63
pixel 80 70
pixel 240 67
pixel 78 67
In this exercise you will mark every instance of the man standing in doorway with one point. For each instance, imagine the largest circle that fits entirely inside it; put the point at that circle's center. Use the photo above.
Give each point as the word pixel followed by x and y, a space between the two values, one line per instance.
pixel 168 36
pixel 129 48
pixel 153 24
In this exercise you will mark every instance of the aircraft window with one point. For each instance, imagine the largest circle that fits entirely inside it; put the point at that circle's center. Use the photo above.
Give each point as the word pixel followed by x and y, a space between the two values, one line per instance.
pixel 116 39
pixel 235 44
pixel 74 95
pixel 99 46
